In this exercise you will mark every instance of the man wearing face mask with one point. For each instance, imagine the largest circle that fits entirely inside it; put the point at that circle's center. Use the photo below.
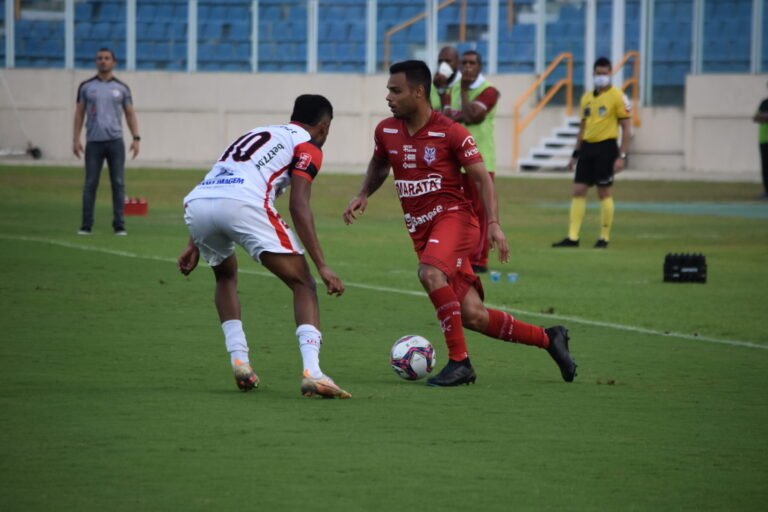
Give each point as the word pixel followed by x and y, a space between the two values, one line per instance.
pixel 447 74
pixel 597 156
pixel 473 102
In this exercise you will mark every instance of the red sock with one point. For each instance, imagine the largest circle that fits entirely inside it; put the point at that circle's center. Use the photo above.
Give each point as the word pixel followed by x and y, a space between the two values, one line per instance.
pixel 503 326
pixel 448 312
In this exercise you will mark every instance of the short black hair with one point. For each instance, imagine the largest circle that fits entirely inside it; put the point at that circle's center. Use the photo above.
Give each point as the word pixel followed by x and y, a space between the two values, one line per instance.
pixel 310 109
pixel 477 54
pixel 105 49
pixel 602 62
pixel 416 73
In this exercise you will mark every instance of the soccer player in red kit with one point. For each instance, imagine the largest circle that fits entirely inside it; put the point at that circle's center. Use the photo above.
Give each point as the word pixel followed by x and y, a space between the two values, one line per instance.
pixel 426 151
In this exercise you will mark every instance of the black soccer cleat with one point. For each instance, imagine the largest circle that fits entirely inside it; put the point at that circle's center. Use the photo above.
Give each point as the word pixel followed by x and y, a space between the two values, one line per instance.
pixel 455 373
pixel 558 349
pixel 566 242
pixel 601 244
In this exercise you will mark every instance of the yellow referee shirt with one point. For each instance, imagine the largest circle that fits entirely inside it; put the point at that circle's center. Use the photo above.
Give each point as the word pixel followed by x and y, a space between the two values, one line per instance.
pixel 602 113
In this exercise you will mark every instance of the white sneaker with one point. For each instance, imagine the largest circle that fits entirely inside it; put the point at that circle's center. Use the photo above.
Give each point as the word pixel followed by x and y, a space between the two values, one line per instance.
pixel 121 232
pixel 245 377
pixel 324 387
pixel 84 231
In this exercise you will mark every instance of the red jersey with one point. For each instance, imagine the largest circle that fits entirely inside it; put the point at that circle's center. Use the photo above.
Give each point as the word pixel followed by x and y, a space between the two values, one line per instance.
pixel 427 167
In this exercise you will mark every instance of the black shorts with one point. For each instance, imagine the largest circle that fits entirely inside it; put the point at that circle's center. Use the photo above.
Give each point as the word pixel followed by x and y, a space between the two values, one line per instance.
pixel 595 165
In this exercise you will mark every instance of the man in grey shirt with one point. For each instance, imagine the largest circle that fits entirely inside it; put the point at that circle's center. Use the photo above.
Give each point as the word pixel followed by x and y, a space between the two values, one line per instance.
pixel 104 98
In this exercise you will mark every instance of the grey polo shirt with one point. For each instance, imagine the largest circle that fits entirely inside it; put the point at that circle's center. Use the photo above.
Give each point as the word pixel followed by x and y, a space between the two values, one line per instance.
pixel 104 103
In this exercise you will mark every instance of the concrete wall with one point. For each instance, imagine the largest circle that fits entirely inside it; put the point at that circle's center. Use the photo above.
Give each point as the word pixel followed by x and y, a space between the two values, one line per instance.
pixel 719 132
pixel 188 119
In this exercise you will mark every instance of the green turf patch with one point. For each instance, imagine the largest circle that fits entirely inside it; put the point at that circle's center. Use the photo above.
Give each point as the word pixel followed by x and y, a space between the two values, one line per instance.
pixel 116 391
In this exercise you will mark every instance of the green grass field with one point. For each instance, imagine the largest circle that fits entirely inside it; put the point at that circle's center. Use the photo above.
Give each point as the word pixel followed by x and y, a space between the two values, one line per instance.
pixel 116 391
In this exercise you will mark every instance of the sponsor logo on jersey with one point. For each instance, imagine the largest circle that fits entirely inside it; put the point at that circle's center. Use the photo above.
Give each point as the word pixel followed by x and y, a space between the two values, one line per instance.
pixel 407 148
pixel 415 188
pixel 471 152
pixel 459 262
pixel 601 111
pixel 436 134
pixel 391 130
pixel 412 222
pixel 115 93
pixel 222 181
pixel 409 157
pixel 430 154
pixel 407 165
pixel 304 160
pixel 274 150
pixel 469 140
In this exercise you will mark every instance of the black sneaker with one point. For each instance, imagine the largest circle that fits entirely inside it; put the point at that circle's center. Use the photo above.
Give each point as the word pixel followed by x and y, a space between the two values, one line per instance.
pixel 479 269
pixel 601 244
pixel 566 242
pixel 558 349
pixel 454 374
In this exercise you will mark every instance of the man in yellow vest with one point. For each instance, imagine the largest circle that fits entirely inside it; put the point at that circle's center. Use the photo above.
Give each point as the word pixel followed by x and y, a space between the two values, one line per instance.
pixel 473 103
pixel 599 157
pixel 447 74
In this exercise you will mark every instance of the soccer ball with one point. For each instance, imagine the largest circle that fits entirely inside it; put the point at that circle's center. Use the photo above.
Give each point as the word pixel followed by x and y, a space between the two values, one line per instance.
pixel 412 357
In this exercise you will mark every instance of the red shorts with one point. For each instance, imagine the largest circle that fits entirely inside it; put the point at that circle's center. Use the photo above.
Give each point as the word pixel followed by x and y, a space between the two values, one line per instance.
pixel 447 246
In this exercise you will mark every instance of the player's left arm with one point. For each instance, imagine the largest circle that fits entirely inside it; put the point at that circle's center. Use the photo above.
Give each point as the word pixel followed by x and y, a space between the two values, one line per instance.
pixel 304 223
pixel 475 112
pixel 479 175
pixel 133 125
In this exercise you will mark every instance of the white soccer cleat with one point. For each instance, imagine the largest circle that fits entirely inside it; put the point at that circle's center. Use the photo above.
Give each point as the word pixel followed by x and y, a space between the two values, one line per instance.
pixel 245 377
pixel 324 387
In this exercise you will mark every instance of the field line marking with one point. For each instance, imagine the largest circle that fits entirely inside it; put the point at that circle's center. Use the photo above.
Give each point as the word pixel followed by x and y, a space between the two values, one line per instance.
pixel 413 293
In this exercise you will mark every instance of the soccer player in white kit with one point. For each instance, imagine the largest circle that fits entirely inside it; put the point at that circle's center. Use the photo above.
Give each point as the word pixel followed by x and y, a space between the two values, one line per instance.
pixel 234 204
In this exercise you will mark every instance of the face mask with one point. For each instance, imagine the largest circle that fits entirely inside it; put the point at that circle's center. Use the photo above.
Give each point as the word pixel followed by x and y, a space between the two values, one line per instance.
pixel 602 81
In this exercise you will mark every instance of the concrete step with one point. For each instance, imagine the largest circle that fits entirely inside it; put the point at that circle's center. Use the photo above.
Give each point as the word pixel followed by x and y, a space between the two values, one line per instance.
pixel 534 164
pixel 551 152
pixel 558 142
pixel 574 121
pixel 566 131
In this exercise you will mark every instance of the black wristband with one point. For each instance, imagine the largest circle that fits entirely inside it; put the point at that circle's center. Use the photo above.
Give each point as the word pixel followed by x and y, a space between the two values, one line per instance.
pixel 575 153
pixel 136 137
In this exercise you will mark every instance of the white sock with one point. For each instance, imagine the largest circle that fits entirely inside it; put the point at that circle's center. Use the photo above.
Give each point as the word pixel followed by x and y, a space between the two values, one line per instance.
pixel 234 337
pixel 310 340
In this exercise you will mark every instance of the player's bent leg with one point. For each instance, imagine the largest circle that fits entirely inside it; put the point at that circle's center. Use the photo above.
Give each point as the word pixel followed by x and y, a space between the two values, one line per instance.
pixel 448 309
pixel 228 307
pixel 292 269
pixel 227 302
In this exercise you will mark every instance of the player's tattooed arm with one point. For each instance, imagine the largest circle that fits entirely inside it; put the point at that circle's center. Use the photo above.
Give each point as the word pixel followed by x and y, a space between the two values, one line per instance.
pixel 375 176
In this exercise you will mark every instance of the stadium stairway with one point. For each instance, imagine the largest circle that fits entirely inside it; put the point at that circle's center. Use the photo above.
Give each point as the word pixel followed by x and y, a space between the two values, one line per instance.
pixel 554 151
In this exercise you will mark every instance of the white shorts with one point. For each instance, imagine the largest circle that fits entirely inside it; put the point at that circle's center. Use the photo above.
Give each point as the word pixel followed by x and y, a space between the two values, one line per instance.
pixel 217 224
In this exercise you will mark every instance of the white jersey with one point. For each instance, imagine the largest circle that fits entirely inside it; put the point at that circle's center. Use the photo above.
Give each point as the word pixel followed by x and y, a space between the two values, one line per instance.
pixel 257 167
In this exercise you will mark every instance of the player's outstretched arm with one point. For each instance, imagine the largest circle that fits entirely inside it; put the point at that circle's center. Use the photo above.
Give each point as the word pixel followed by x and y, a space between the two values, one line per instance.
pixel 375 176
pixel 304 222
pixel 496 237
pixel 189 258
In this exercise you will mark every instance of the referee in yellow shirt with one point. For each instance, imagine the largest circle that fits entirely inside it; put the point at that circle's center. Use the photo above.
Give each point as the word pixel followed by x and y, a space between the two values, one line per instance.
pixel 597 152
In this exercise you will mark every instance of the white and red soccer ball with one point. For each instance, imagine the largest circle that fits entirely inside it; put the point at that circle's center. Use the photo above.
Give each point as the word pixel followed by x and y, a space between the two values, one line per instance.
pixel 412 357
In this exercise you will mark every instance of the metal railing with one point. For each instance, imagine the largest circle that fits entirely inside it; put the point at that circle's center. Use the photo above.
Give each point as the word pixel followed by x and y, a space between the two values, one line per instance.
pixel 567 82
pixel 633 81
pixel 407 23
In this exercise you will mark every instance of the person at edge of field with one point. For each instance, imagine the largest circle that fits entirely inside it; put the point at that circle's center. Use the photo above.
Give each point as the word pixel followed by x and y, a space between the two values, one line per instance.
pixel 234 204
pixel 448 73
pixel 761 117
pixel 426 151
pixel 102 99
pixel 472 102
pixel 599 157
